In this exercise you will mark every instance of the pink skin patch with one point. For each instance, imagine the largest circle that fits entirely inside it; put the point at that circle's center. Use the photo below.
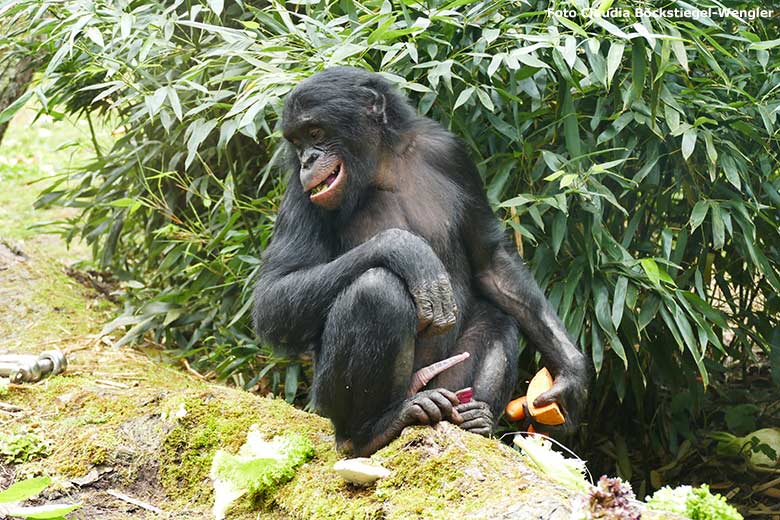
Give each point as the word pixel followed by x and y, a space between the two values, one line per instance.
pixel 423 376
pixel 465 395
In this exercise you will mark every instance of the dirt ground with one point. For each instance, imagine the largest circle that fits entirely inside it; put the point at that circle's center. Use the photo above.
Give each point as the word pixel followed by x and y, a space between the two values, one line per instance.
pixel 43 308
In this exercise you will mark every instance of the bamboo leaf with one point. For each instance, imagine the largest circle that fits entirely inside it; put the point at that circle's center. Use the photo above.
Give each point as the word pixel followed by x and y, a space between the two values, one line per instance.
pixel 619 301
pixel 464 96
pixel 484 98
pixel 688 143
pixel 718 229
pixel 651 270
pixel 614 57
pixel 571 129
pixel 638 68
pixel 698 214
pixel 216 6
pixel 569 50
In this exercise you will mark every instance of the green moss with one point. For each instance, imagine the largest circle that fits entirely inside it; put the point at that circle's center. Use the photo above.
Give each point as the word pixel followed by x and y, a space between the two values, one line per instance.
pixel 434 475
pixel 214 422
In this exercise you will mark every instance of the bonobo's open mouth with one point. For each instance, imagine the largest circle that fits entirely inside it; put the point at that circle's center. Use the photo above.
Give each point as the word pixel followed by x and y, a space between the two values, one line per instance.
pixel 329 181
pixel 329 190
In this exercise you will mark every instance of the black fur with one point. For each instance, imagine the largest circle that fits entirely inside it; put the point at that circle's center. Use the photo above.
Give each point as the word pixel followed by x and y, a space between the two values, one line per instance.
pixel 410 268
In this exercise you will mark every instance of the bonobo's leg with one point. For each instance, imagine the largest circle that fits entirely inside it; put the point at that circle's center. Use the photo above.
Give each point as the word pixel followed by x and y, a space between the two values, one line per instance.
pixel 364 364
pixel 491 338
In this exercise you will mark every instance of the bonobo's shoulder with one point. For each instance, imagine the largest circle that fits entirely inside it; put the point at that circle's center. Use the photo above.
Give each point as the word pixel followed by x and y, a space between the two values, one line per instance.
pixel 431 135
pixel 445 152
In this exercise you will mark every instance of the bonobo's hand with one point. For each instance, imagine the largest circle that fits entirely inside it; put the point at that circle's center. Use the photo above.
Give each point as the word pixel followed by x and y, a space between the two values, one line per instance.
pixel 435 303
pixel 412 258
pixel 570 391
pixel 477 417
pixel 430 407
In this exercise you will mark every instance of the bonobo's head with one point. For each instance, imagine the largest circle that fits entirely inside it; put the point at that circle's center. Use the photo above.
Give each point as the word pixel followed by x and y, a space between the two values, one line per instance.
pixel 340 122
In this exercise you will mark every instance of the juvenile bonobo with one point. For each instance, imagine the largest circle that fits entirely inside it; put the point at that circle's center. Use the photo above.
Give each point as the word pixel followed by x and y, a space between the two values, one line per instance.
pixel 386 258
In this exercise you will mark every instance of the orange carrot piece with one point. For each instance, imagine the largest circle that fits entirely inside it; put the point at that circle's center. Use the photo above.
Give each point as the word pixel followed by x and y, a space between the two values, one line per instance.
pixel 550 413
pixel 515 410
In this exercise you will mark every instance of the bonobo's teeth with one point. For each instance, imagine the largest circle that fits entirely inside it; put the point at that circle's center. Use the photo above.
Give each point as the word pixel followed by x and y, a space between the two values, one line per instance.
pixel 328 182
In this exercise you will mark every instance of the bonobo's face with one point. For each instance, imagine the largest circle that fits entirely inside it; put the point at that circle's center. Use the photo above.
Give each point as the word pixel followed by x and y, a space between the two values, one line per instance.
pixel 334 123
pixel 323 171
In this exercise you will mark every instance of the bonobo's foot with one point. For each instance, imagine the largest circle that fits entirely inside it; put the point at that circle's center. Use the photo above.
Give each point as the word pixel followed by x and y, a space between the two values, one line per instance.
pixel 430 407
pixel 477 417
pixel 344 446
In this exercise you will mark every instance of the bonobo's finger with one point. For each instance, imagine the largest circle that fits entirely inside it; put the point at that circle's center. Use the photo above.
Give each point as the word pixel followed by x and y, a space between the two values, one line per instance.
pixel 554 394
pixel 424 309
pixel 480 427
pixel 478 422
pixel 430 408
pixel 423 303
pixel 455 417
pixel 448 296
pixel 471 415
pixel 442 298
pixel 452 307
pixel 437 325
pixel 418 414
pixel 473 405
pixel 444 404
pixel 450 395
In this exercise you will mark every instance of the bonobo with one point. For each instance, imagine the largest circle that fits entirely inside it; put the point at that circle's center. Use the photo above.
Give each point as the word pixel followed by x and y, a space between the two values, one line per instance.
pixel 386 258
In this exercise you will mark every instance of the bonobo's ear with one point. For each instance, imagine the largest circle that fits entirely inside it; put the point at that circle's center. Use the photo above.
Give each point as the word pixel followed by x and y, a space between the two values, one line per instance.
pixel 376 105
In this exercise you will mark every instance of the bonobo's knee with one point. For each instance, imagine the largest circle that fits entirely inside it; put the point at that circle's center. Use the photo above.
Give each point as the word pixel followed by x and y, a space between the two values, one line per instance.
pixel 380 296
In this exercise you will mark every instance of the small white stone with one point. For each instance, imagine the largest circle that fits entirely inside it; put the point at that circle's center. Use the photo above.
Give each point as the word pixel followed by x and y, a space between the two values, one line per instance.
pixel 360 471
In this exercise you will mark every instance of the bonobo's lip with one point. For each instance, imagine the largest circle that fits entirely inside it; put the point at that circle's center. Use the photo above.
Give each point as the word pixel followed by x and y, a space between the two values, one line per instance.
pixel 328 194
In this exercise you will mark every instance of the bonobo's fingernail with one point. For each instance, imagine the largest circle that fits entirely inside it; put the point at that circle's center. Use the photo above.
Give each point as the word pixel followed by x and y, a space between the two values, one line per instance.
pixel 465 395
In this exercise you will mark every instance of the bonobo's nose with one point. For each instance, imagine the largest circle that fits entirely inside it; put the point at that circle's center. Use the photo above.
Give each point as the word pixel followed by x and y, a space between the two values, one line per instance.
pixel 309 157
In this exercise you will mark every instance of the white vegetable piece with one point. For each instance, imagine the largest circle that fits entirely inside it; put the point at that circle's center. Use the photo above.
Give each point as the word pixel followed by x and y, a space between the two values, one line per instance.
pixel 360 471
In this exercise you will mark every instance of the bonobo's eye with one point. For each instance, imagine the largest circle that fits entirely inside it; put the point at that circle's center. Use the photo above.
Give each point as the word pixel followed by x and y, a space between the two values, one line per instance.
pixel 317 134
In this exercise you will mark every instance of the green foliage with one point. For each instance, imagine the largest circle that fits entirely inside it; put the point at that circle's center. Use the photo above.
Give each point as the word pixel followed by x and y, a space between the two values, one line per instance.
pixel 24 490
pixel 260 469
pixel 703 505
pixel 27 489
pixel 638 156
pixel 17 448
pixel 694 503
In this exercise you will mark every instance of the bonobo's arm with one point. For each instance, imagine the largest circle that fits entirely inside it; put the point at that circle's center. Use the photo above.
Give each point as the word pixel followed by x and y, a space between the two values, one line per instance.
pixel 297 284
pixel 503 279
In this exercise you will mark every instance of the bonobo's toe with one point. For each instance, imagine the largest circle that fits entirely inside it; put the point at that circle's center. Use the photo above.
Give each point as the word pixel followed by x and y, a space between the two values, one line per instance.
pixel 431 406
pixel 477 417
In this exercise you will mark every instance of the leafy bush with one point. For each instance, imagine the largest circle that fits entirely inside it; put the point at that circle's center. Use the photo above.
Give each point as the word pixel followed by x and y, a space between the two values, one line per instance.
pixel 635 158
